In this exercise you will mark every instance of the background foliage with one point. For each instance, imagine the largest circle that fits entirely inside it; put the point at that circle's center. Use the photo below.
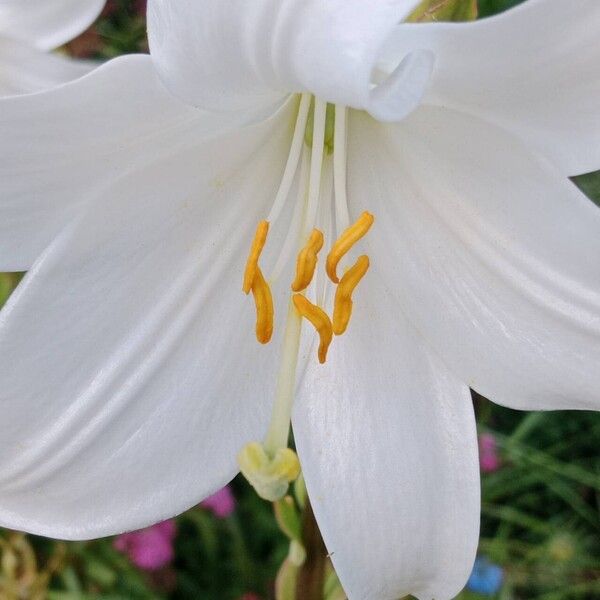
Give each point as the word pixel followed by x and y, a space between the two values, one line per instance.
pixel 540 512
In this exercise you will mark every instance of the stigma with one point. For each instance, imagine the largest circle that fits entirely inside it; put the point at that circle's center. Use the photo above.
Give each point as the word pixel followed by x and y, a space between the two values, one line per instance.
pixel 269 473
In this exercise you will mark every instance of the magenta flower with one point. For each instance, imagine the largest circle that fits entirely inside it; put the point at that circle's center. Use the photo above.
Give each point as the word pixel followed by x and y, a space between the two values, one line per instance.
pixel 151 548
pixel 489 460
pixel 221 503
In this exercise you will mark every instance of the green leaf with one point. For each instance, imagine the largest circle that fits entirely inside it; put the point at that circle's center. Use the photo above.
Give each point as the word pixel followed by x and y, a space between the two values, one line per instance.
pixel 100 573
pixel 8 282
pixel 444 10
pixel 288 518
pixel 590 185
pixel 493 7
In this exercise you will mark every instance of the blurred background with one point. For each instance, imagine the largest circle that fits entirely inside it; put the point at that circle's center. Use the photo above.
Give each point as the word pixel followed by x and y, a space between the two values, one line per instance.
pixel 540 534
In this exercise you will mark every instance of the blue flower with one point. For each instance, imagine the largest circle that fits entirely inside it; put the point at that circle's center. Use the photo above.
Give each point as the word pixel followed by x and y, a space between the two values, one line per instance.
pixel 486 577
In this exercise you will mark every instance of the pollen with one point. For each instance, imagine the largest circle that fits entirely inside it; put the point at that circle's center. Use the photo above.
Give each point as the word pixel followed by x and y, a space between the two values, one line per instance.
pixel 307 261
pixel 342 307
pixel 260 238
pixel 255 282
pixel 263 299
pixel 345 242
pixel 319 319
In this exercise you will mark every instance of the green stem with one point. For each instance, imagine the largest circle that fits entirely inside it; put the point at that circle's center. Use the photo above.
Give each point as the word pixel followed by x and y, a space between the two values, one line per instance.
pixel 311 578
pixel 530 422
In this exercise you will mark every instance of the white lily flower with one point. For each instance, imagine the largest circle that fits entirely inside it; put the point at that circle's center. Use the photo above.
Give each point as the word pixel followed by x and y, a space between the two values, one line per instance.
pixel 130 376
pixel 29 29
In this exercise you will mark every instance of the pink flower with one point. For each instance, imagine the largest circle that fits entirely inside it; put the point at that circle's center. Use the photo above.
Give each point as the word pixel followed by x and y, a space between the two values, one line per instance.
pixel 151 548
pixel 221 503
pixel 489 461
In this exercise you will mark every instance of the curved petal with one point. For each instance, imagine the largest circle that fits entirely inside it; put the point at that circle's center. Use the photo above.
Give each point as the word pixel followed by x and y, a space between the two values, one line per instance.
pixel 24 69
pixel 130 374
pixel 533 70
pixel 386 437
pixel 492 255
pixel 59 147
pixel 229 55
pixel 47 24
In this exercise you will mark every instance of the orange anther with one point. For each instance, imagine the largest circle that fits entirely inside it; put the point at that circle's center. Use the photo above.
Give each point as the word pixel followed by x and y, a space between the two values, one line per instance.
pixel 320 320
pixel 260 238
pixel 342 308
pixel 343 244
pixel 307 261
pixel 265 312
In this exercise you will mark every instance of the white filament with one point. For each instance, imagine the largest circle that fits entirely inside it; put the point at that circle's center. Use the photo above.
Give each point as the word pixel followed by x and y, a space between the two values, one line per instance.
pixel 316 166
pixel 340 159
pixel 292 240
pixel 291 165
pixel 279 427
pixel 324 224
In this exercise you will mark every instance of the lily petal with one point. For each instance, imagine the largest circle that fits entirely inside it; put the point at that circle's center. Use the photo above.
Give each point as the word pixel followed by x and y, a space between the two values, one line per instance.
pixel 231 55
pixel 533 70
pixel 47 24
pixel 59 147
pixel 386 437
pixel 130 376
pixel 492 254
pixel 25 69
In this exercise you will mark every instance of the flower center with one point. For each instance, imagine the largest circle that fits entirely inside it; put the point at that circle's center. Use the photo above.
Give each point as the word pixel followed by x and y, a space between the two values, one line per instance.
pixel 319 140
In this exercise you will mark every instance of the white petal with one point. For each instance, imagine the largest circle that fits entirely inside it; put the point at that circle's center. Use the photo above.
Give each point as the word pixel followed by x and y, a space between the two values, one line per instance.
pixel 533 70
pixel 493 256
pixel 229 55
pixel 59 147
pixel 130 376
pixel 386 438
pixel 24 69
pixel 47 24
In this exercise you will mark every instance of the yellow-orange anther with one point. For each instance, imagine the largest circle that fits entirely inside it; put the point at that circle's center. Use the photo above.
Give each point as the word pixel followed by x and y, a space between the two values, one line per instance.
pixel 346 241
pixel 342 308
pixel 320 320
pixel 260 237
pixel 264 307
pixel 307 261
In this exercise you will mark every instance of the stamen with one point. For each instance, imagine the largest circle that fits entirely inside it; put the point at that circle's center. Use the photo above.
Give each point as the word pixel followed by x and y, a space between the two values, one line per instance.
pixel 292 240
pixel 320 320
pixel 329 139
pixel 291 165
pixel 316 166
pixel 260 238
pixel 325 222
pixel 263 299
pixel 340 159
pixel 307 261
pixel 342 309
pixel 343 244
